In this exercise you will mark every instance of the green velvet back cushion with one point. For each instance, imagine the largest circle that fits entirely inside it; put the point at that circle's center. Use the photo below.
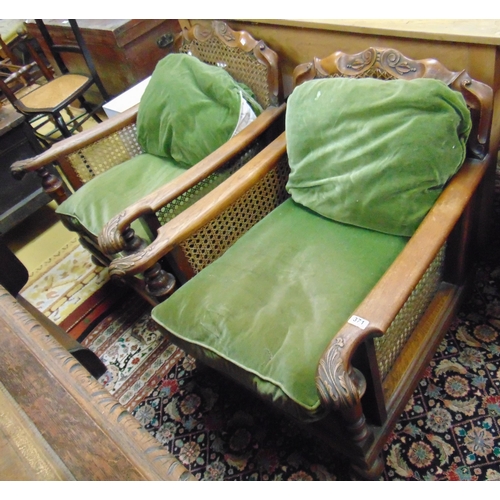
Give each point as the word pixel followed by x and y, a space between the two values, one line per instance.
pixel 189 109
pixel 374 153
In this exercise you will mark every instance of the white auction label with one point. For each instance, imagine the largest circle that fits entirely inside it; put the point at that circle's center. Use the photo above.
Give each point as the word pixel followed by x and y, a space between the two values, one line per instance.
pixel 359 322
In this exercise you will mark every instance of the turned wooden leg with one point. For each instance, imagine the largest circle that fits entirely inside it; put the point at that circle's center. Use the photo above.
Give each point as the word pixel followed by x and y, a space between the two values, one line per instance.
pixel 356 424
pixel 52 185
pixel 159 283
pixel 133 243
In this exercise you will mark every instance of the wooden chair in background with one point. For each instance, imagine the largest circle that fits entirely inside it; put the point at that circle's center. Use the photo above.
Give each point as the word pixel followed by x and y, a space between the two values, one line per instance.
pixel 24 73
pixel 55 98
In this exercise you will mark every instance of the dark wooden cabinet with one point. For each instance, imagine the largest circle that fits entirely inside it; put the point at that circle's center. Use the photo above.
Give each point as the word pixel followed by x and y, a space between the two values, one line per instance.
pixel 18 199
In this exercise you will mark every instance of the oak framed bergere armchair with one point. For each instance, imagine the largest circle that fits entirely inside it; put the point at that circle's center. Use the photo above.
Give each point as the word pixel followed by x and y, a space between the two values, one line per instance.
pixel 328 268
pixel 152 161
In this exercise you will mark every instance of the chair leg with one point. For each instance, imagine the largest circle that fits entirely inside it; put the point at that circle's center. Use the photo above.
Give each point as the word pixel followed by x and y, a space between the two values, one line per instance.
pixel 88 108
pixel 361 436
pixel 61 125
pixel 71 115
pixel 369 472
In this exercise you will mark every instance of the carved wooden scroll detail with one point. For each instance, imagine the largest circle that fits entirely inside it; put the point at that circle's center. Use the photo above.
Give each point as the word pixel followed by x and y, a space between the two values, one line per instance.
pixel 397 62
pixel 111 239
pixel 341 386
pixel 386 60
pixel 338 388
pixel 222 30
pixel 389 63
pixel 361 62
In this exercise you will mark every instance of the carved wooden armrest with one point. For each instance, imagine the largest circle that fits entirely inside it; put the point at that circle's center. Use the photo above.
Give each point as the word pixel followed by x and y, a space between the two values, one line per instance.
pixel 111 239
pixel 198 214
pixel 340 386
pixel 67 146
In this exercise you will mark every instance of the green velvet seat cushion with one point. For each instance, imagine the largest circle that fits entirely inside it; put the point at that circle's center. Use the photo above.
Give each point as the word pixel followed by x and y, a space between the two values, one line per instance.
pixel 374 153
pixel 106 195
pixel 189 109
pixel 266 309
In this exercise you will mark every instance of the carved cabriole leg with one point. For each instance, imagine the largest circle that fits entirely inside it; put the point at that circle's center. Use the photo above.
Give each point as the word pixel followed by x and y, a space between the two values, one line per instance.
pixel 341 387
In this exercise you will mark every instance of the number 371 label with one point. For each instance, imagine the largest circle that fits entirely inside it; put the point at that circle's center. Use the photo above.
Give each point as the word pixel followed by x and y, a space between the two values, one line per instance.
pixel 359 322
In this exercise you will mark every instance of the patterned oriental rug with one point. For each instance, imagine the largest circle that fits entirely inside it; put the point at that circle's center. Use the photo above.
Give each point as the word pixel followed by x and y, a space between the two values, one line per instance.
pixel 449 430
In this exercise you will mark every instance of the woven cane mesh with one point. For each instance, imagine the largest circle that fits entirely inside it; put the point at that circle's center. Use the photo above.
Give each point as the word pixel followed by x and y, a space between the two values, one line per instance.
pixel 213 239
pixel 175 207
pixel 392 342
pixel 242 66
pixel 100 156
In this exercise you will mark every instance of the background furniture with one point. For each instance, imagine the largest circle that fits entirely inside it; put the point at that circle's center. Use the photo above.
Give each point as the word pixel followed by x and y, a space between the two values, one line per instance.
pixel 125 51
pixel 125 101
pixel 18 200
pixel 11 31
pixel 61 95
pixel 12 71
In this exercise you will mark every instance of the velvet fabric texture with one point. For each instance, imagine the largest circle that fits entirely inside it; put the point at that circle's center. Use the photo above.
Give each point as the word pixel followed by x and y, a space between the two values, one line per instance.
pixel 265 310
pixel 97 201
pixel 189 109
pixel 374 153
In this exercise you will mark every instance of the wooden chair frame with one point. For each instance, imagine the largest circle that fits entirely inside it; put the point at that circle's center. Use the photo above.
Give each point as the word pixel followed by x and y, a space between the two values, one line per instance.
pixel 45 106
pixel 79 166
pixel 13 70
pixel 361 405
